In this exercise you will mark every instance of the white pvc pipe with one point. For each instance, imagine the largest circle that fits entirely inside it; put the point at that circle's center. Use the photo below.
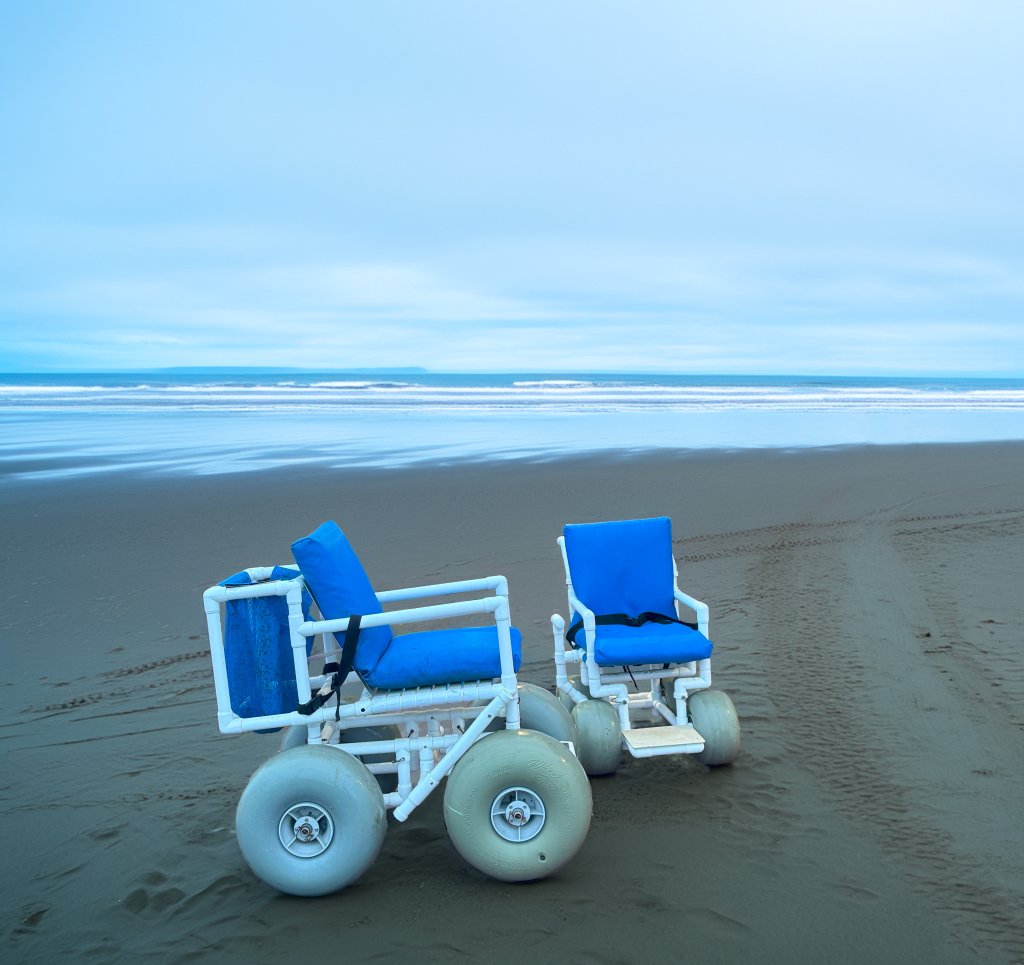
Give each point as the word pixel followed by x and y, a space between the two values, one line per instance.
pixel 220 668
pixel 373 710
pixel 662 709
pixel 432 778
pixel 498 584
pixel 413 615
pixel 700 609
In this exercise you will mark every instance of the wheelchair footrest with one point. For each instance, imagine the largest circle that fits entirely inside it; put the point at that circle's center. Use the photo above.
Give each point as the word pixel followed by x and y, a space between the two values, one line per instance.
pixel 655 741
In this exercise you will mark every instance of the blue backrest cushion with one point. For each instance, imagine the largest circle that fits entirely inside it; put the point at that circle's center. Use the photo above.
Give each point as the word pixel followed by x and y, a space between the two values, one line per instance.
pixel 340 586
pixel 622 567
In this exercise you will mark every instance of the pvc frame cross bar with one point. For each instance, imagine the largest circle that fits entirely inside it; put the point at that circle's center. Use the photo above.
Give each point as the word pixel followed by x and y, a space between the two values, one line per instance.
pixel 264 586
pixel 221 594
pixel 498 584
pixel 432 778
pixel 418 751
pixel 421 614
pixel 378 709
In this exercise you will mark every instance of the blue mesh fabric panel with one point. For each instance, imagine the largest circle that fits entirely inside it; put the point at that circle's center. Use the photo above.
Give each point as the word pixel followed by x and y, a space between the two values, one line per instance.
pixel 622 567
pixel 258 650
pixel 341 587
pixel 442 657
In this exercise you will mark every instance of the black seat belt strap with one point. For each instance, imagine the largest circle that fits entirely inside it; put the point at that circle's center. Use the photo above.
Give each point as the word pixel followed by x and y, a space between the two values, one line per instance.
pixel 339 671
pixel 624 620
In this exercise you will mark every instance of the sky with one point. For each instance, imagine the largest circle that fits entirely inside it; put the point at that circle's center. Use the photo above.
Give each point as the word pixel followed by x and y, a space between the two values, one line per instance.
pixel 792 187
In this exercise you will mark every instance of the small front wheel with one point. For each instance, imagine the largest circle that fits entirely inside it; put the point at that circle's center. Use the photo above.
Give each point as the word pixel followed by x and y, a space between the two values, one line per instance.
pixel 599 737
pixel 518 805
pixel 311 820
pixel 713 715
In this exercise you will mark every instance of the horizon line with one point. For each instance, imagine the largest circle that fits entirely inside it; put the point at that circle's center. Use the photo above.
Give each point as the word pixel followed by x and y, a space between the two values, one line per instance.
pixel 562 373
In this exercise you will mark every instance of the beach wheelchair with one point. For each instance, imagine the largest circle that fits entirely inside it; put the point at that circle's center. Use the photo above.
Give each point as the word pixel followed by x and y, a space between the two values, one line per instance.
pixel 644 675
pixel 421 707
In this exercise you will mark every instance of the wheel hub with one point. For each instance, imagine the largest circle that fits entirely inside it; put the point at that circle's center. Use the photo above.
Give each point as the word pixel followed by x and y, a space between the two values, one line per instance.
pixel 517 814
pixel 306 830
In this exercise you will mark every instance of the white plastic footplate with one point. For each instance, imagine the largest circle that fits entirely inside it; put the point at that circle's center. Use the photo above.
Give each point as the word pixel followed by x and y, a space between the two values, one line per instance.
pixel 653 741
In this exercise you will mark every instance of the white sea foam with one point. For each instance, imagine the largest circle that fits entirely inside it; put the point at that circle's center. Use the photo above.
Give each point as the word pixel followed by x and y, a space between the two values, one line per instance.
pixel 571 396
pixel 47 390
pixel 222 424
pixel 553 384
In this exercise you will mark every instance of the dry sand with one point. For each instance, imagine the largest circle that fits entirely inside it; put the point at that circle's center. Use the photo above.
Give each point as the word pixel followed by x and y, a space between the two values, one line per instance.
pixel 867 614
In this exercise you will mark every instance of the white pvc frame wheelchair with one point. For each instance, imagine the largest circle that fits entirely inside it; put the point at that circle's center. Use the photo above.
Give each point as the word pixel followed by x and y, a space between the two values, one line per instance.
pixel 682 715
pixel 312 818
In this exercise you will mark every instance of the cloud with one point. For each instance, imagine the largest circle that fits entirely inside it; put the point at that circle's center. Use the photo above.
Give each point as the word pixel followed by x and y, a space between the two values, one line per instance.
pixel 821 187
pixel 548 305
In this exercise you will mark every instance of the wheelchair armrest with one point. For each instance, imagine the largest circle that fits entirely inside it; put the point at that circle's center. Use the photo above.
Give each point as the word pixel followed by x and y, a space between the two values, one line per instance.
pixel 496 584
pixel 587 615
pixel 495 605
pixel 581 610
pixel 498 605
pixel 699 608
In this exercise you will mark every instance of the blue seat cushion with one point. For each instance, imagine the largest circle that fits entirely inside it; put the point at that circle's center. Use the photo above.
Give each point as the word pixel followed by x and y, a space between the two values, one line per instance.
pixel 652 643
pixel 441 657
pixel 340 586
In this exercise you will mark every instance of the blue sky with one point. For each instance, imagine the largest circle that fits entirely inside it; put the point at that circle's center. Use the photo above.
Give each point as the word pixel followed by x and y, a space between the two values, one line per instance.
pixel 793 187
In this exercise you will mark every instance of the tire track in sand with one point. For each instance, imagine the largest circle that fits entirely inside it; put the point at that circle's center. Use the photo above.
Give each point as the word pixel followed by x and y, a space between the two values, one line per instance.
pixel 851 663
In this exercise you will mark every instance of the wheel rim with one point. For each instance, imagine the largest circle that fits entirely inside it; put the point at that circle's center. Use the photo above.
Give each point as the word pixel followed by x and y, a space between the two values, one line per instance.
pixel 306 830
pixel 517 814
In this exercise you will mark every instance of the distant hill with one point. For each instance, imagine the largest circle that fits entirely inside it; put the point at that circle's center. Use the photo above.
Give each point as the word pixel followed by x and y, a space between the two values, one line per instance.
pixel 284 370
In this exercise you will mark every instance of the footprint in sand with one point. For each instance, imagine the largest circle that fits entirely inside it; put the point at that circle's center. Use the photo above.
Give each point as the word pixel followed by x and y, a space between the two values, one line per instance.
pixel 31 916
pixel 146 901
pixel 105 834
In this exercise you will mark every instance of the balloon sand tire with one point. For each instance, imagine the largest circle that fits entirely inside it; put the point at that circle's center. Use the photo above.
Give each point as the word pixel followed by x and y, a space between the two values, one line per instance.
pixel 542 711
pixel 296 737
pixel 310 821
pixel 713 715
pixel 518 805
pixel 599 737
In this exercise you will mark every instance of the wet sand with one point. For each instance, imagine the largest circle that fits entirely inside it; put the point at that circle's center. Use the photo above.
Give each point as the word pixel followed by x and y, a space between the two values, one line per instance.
pixel 866 608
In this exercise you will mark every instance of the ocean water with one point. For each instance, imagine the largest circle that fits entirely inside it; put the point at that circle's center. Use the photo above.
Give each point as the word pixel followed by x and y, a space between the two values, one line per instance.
pixel 231 421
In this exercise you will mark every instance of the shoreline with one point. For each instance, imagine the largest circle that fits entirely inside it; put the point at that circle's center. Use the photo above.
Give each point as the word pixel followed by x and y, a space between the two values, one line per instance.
pixel 225 426
pixel 16 472
pixel 865 610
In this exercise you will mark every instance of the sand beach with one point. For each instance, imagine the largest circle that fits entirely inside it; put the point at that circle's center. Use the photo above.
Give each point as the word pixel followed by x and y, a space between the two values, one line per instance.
pixel 867 613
